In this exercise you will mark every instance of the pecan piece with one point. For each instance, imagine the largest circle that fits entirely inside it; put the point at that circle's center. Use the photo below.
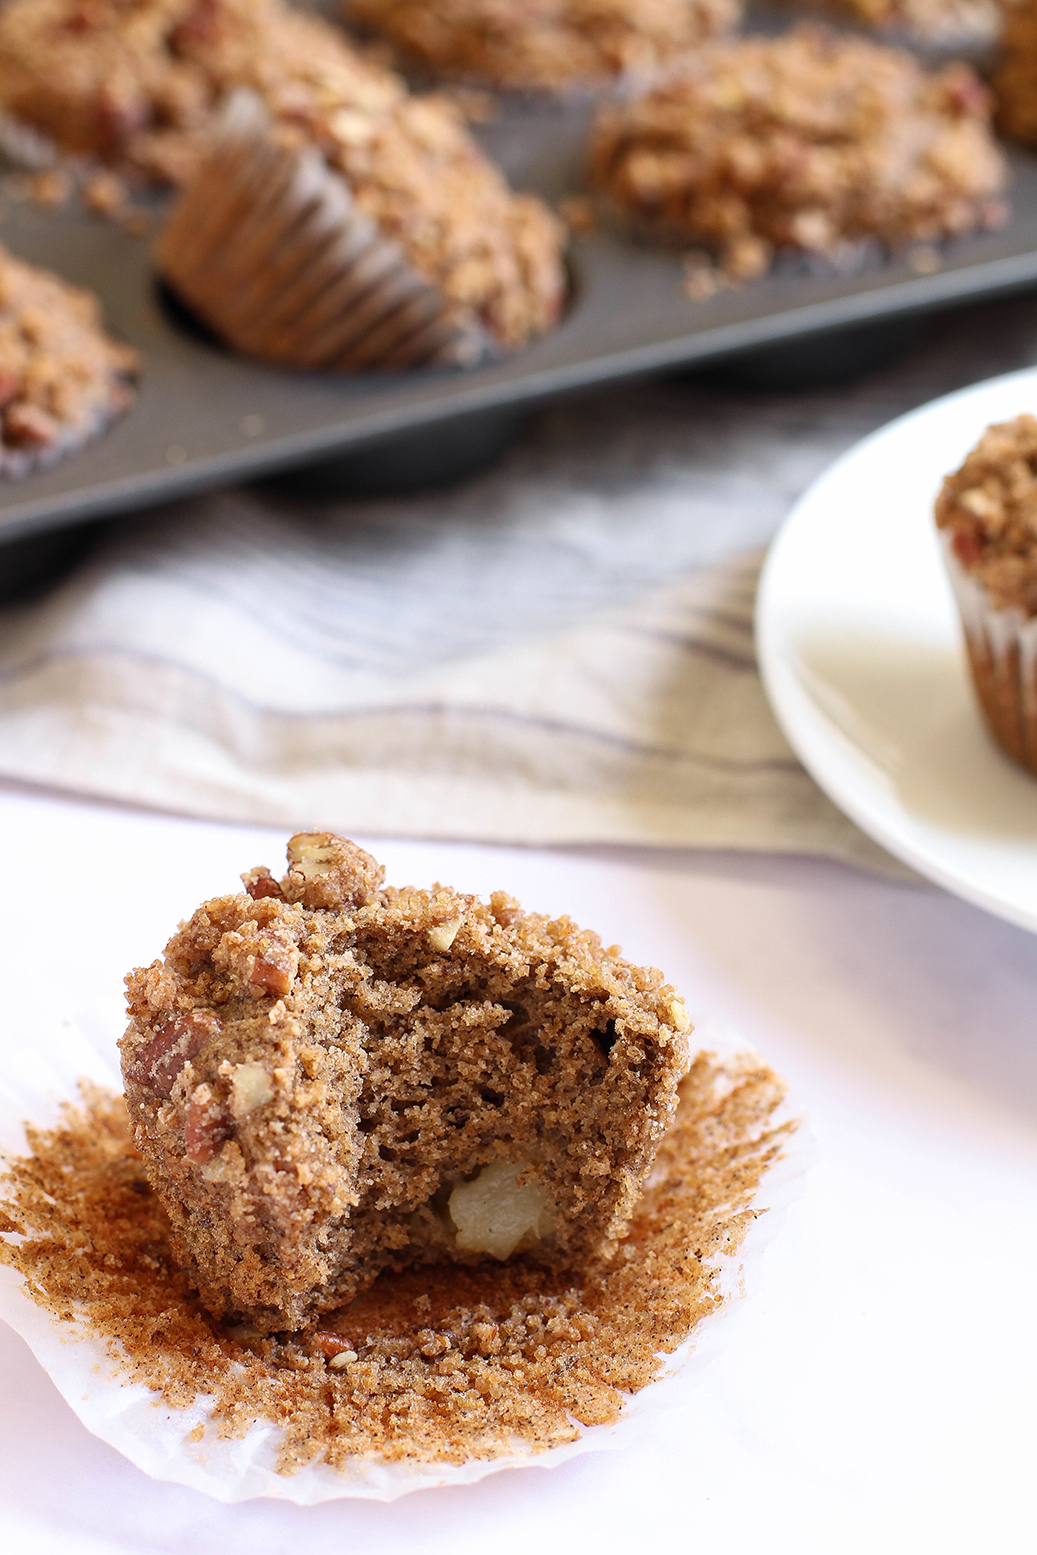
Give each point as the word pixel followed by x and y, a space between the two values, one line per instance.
pixel 27 426
pixel 259 883
pixel 275 965
pixel 327 871
pixel 332 1345
pixel 206 1126
pixel 158 1064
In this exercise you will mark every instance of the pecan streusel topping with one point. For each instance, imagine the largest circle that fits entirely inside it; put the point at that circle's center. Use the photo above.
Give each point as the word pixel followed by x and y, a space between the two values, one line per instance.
pixel 989 508
pixel 803 141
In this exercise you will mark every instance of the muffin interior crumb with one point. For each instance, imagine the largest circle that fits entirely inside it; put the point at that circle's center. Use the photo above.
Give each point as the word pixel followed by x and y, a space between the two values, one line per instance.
pixel 439 1364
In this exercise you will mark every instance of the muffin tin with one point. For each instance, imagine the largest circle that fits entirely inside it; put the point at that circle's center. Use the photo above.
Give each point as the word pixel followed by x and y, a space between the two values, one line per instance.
pixel 206 418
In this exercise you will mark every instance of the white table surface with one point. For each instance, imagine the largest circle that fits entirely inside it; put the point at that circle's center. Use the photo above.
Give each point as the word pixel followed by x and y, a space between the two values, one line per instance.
pixel 877 1394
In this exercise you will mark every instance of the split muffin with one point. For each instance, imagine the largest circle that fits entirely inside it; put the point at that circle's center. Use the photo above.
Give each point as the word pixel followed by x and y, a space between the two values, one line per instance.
pixel 329 1078
pixel 802 142
pixel 138 82
pixel 545 45
pixel 987 517
pixel 63 380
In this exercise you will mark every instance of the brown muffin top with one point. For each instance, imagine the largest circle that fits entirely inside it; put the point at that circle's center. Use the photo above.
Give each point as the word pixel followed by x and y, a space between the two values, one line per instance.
pixel 545 44
pixel 136 81
pixel 804 141
pixel 62 379
pixel 989 509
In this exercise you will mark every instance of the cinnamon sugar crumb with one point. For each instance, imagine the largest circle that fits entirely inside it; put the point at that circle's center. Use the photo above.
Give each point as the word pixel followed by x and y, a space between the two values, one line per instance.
pixel 442 1364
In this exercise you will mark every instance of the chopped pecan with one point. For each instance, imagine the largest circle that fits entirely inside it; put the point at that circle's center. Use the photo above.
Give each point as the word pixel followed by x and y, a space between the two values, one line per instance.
pixel 158 1064
pixel 260 883
pixel 206 1126
pixel 255 957
pixel 327 871
pixel 332 1345
pixel 275 965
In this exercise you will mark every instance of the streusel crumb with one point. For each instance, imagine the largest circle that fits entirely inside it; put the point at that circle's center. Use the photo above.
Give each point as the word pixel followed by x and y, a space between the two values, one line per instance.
pixel 804 141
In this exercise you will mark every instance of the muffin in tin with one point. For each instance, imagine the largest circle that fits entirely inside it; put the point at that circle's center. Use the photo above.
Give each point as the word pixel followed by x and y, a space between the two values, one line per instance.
pixel 986 514
pixel 544 45
pixel 803 142
pixel 268 246
pixel 63 380
pixel 139 81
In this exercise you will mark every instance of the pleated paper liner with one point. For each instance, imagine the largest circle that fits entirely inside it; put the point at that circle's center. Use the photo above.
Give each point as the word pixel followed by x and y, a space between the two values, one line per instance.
pixel 184 1443
pixel 267 247
pixel 1002 649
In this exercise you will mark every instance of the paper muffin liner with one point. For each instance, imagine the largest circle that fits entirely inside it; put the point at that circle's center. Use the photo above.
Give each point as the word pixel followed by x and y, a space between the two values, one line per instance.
pixel 35 1078
pixel 1002 649
pixel 267 246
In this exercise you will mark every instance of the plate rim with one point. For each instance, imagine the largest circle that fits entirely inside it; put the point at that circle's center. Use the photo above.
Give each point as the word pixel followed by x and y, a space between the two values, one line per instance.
pixel 816 740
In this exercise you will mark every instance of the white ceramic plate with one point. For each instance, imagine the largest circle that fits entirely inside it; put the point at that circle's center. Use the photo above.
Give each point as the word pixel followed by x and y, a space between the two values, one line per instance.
pixel 861 655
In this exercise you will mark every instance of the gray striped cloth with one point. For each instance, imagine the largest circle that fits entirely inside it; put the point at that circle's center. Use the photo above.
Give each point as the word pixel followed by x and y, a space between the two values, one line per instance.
pixel 559 651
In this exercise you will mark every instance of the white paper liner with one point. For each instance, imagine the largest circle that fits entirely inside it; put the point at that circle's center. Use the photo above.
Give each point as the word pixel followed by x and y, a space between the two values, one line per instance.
pixel 39 1074
pixel 1002 648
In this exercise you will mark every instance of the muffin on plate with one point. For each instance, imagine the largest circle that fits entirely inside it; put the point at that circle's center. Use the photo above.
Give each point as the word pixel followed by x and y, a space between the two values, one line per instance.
pixel 329 1078
pixel 802 142
pixel 140 81
pixel 545 45
pixel 63 381
pixel 987 517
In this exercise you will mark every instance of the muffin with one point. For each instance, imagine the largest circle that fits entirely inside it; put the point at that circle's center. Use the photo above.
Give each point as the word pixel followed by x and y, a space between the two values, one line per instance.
pixel 329 1078
pixel 269 247
pixel 987 517
pixel 138 82
pixel 802 142
pixel 62 379
pixel 543 45
pixel 1015 81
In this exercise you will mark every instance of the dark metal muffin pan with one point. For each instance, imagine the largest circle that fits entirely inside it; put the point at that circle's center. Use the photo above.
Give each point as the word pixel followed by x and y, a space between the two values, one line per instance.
pixel 205 418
